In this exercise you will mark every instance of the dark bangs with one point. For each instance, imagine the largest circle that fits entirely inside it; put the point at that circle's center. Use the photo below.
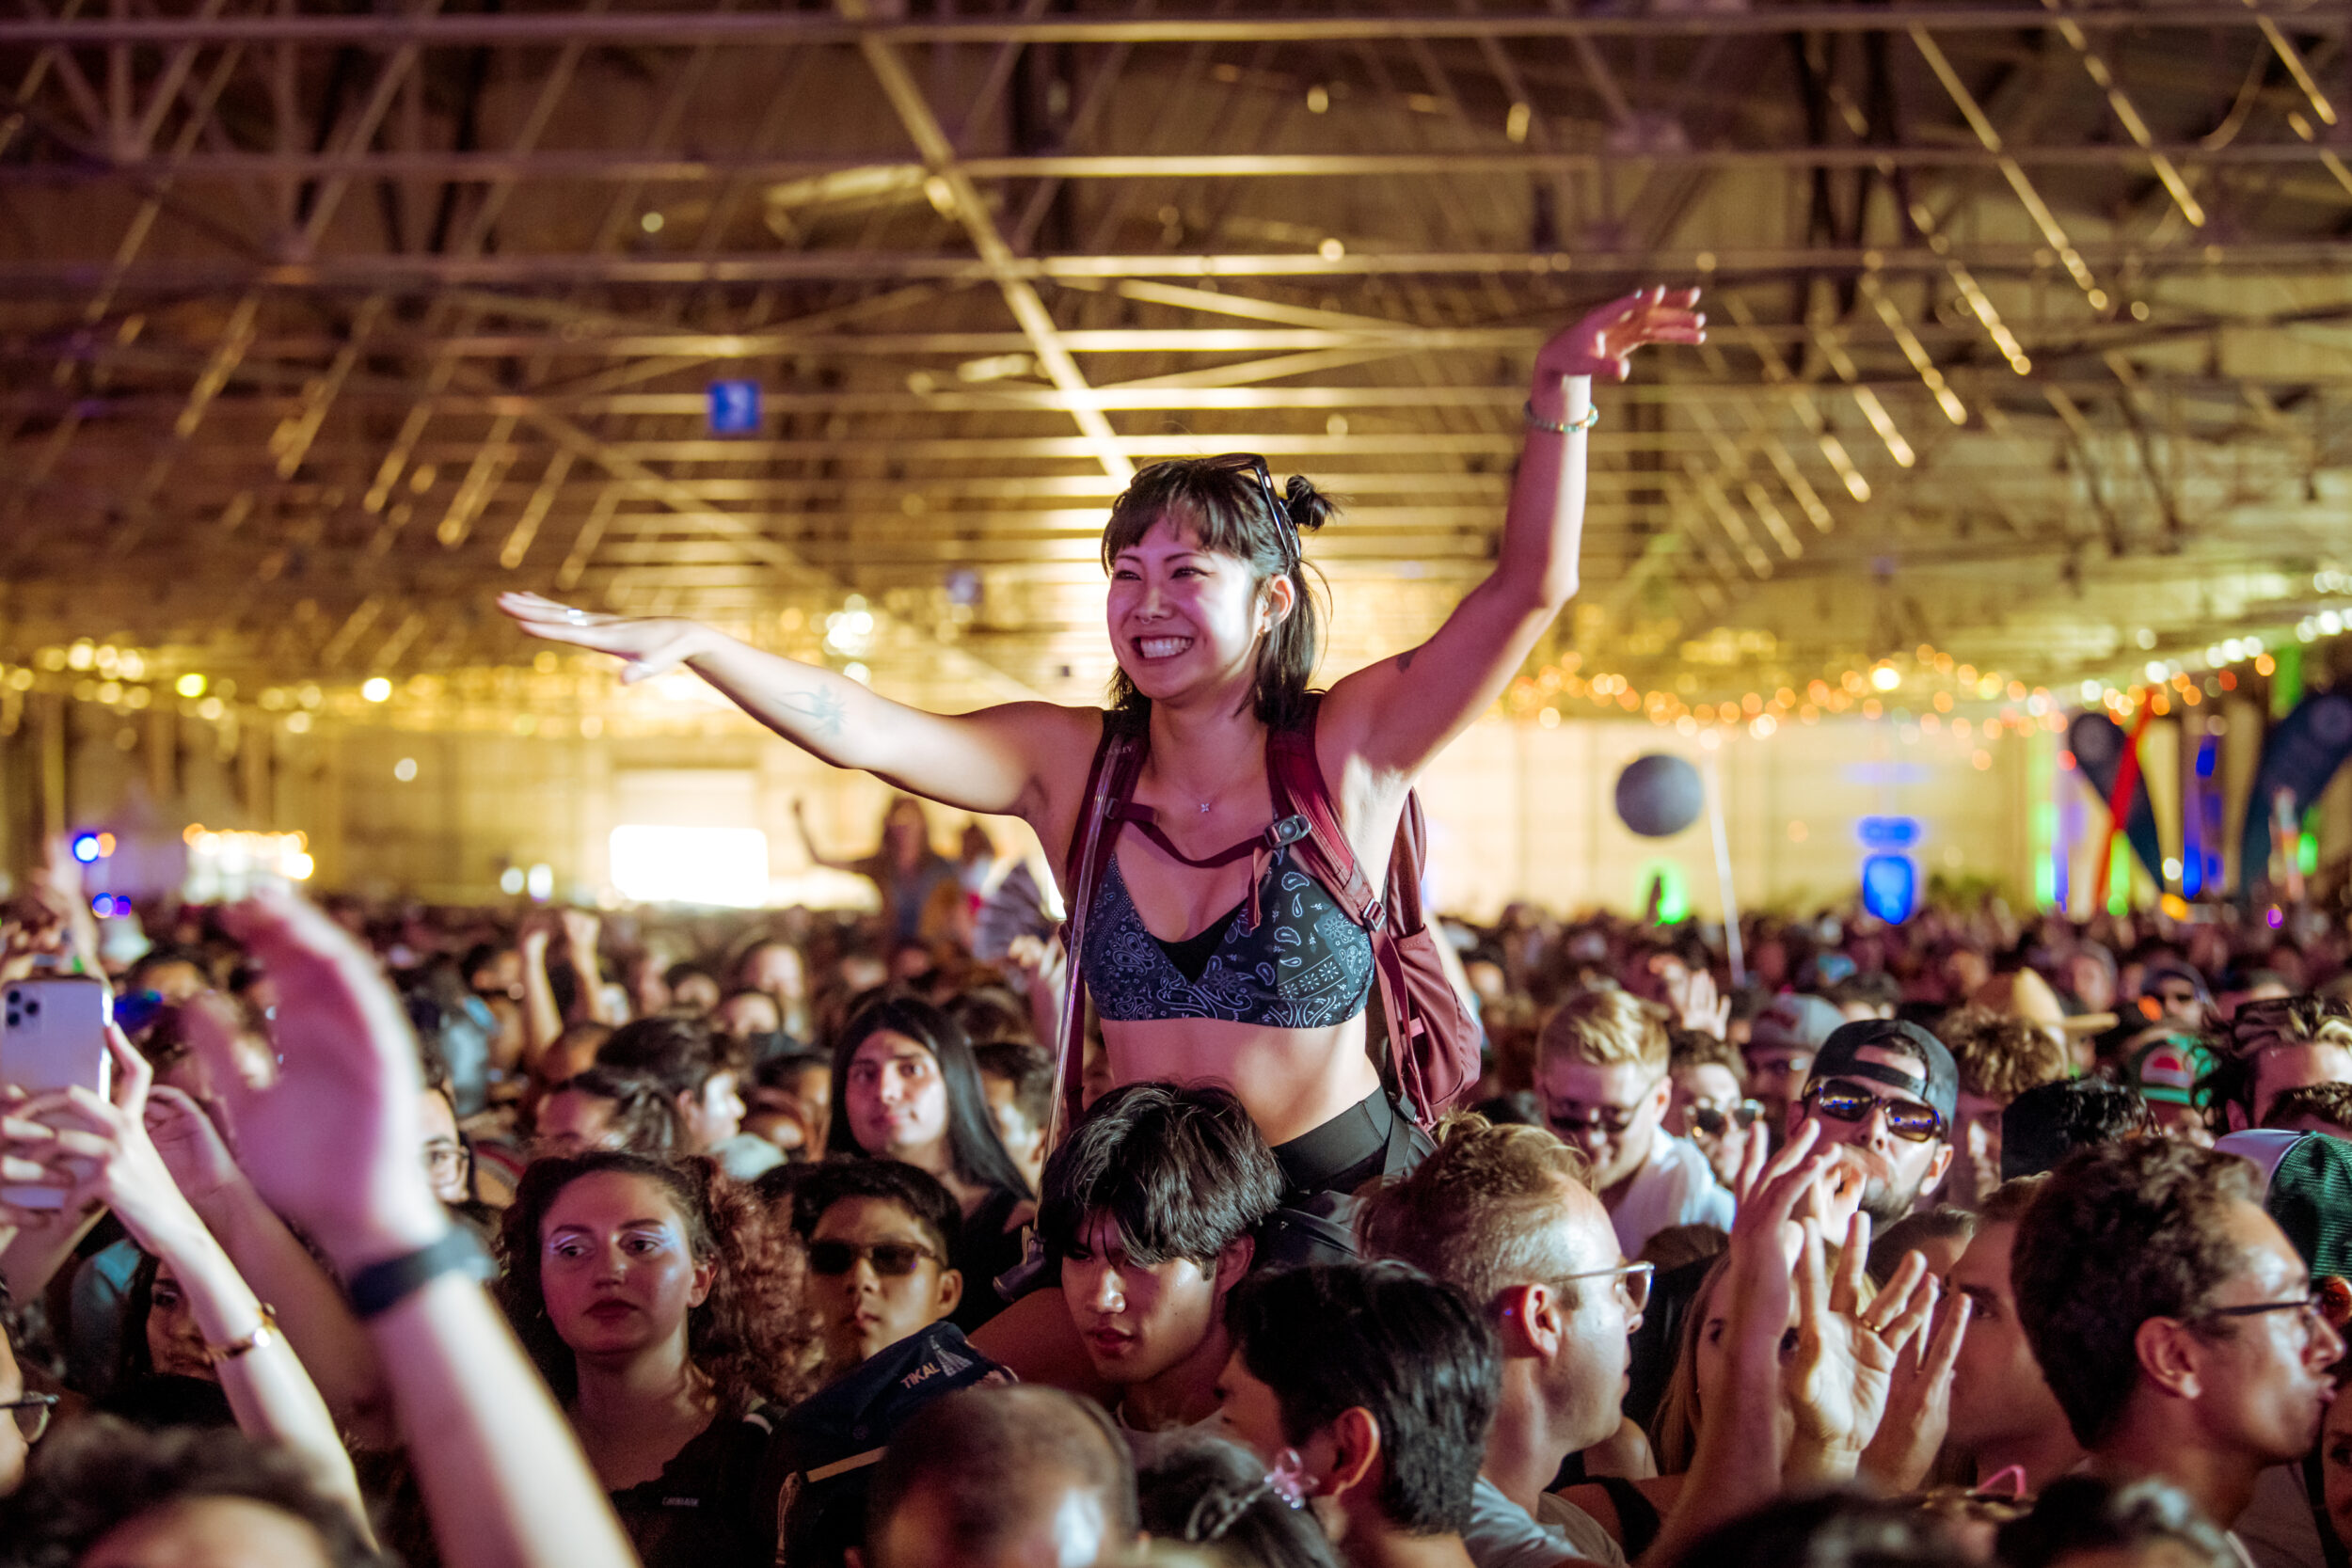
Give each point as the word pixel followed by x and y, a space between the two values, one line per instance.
pixel 1225 510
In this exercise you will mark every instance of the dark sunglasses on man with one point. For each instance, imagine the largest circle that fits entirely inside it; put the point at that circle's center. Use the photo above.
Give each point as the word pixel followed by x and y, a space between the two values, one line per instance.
pixel 1906 1118
pixel 891 1260
pixel 1714 1120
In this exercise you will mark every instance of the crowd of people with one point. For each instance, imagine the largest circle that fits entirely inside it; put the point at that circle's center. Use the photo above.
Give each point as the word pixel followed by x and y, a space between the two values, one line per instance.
pixel 1313 1233
pixel 1981 1237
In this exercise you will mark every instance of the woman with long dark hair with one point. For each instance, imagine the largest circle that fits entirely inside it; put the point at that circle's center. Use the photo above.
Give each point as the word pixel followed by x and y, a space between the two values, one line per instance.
pixel 906 1087
pixel 1215 635
pixel 663 1305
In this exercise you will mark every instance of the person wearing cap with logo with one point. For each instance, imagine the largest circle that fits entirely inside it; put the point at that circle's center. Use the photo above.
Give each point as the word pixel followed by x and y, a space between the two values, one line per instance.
pixel 2164 1066
pixel 1781 1044
pixel 1885 1092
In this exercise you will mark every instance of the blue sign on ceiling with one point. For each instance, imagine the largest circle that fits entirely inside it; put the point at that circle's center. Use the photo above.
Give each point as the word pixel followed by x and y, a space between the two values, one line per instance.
pixel 733 407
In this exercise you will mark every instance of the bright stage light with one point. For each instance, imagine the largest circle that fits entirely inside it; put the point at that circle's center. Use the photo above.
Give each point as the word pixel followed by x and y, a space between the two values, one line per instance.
pixel 727 867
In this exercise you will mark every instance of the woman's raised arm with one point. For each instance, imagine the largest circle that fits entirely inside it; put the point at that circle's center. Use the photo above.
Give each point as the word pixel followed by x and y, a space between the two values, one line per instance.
pixel 1396 715
pixel 988 761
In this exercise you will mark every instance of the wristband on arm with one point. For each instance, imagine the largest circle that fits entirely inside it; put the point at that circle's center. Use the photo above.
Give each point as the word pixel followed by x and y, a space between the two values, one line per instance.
pixel 378 1288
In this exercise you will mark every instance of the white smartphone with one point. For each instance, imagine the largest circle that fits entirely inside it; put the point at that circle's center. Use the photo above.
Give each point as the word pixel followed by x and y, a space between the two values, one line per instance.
pixel 53 1035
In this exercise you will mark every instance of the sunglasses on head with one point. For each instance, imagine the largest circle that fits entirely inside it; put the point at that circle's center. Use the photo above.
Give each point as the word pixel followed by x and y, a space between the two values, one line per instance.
pixel 1906 1118
pixel 891 1260
pixel 1256 465
pixel 1714 1120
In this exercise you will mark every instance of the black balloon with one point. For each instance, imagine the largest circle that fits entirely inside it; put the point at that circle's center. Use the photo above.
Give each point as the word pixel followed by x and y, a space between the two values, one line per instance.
pixel 1659 795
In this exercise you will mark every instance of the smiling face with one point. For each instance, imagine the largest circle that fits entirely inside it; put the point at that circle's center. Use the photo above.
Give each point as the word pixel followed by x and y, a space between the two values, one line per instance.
pixel 1184 618
pixel 1607 1112
pixel 616 1268
pixel 897 1102
pixel 1895 1171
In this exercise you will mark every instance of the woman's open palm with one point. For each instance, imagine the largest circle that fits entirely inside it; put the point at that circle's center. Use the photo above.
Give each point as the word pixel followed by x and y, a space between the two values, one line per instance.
pixel 649 647
pixel 1602 343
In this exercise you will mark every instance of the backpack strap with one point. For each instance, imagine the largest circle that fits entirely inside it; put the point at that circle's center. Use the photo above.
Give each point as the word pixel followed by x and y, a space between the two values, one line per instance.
pixel 1118 761
pixel 1299 791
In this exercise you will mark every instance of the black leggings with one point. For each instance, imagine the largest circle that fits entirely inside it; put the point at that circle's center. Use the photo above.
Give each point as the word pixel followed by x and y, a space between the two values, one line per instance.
pixel 1367 1139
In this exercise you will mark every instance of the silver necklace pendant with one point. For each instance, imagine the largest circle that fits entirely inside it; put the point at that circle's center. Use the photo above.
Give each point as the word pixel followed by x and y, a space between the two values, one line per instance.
pixel 1205 808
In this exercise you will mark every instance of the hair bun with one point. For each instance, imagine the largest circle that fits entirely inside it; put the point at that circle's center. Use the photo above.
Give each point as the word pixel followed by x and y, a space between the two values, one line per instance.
pixel 1307 507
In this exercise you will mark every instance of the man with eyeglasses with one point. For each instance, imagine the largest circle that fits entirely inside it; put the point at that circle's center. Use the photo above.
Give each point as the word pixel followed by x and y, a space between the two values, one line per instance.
pixel 1601 1070
pixel 2173 1320
pixel 1499 1213
pixel 1883 1091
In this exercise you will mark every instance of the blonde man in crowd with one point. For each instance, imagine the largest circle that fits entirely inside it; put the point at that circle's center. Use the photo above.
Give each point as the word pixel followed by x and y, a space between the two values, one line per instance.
pixel 1600 1069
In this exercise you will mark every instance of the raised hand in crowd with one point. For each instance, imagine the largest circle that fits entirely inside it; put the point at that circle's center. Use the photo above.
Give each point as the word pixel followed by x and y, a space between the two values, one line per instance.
pixel 308 1304
pixel 1919 1405
pixel 100 1154
pixel 502 1474
pixel 1849 1346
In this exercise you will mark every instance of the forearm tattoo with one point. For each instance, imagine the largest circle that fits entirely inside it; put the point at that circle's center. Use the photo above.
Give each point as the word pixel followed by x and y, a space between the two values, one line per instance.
pixel 823 709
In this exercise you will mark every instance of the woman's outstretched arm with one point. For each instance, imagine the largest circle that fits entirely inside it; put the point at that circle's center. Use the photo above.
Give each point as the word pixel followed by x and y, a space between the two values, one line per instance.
pixel 991 761
pixel 1397 714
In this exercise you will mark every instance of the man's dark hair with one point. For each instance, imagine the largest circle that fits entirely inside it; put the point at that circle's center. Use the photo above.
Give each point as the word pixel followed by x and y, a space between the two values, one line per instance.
pixel 1182 1172
pixel 2010 1199
pixel 1030 1070
pixel 983 1453
pixel 2087 1515
pixel 1388 1339
pixel 2328 1103
pixel 2120 1233
pixel 918 1192
pixel 90 1480
pixel 992 1015
pixel 684 1054
pixel 643 1112
pixel 2046 1123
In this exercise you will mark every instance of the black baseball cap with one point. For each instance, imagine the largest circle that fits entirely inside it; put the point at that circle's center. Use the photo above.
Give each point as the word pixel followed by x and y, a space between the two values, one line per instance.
pixel 1840 1058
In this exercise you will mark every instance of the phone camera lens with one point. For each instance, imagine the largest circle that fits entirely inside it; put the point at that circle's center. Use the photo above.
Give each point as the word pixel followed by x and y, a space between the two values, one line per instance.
pixel 32 1009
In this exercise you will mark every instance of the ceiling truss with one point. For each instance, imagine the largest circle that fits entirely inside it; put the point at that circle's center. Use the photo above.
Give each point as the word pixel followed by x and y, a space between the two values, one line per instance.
pixel 2031 336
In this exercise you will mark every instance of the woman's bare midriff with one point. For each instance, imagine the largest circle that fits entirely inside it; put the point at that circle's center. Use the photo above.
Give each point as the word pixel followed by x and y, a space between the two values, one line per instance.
pixel 1291 1080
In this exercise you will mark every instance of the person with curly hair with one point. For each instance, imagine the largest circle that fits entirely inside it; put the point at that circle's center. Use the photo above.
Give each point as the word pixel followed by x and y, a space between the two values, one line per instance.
pixel 663 1305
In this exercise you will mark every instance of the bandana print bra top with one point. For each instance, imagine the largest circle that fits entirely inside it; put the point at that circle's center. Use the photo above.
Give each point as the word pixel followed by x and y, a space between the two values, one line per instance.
pixel 1304 965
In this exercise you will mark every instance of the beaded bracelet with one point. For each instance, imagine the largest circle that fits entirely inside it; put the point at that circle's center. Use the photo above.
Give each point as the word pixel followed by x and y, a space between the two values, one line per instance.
pixel 1535 421
pixel 217 1354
